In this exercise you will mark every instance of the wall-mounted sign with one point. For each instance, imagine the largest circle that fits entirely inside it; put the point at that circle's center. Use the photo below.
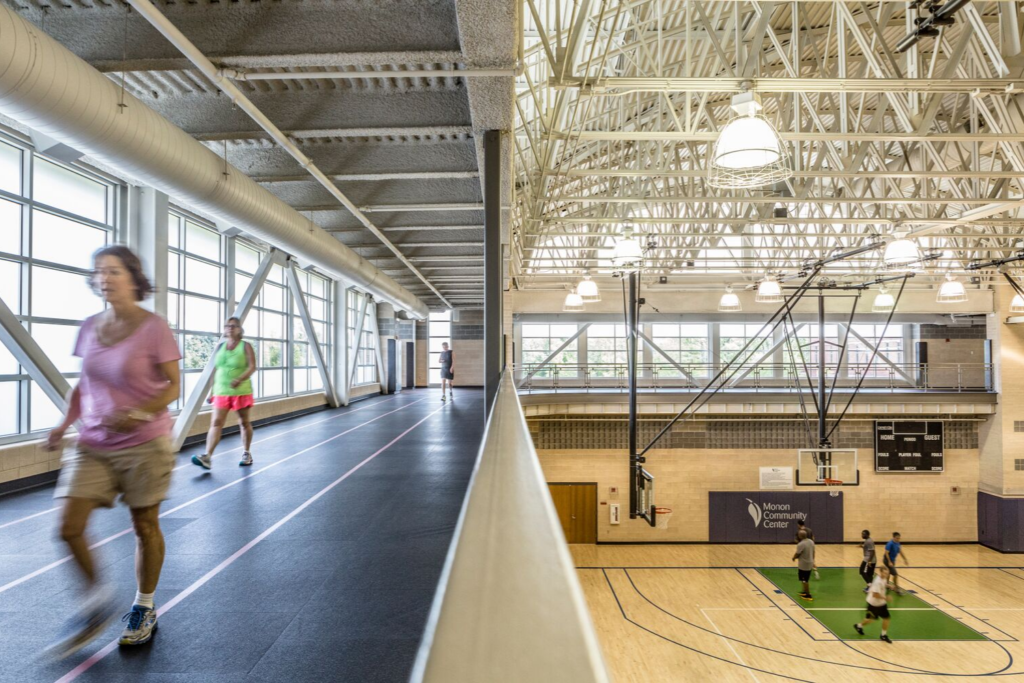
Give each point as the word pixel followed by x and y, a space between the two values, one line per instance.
pixel 776 478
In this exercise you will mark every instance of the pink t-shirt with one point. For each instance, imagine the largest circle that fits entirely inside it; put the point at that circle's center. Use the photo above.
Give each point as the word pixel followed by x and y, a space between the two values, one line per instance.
pixel 123 376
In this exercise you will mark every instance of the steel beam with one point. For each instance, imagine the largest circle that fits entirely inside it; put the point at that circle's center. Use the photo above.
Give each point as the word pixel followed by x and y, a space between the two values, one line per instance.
pixel 30 356
pixel 314 343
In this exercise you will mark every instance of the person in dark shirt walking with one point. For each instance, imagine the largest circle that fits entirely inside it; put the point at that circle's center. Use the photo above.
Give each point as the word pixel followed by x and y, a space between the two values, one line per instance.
pixel 447 372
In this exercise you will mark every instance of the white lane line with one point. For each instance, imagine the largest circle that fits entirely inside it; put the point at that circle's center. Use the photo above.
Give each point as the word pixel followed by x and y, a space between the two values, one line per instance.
pixel 112 645
pixel 187 464
pixel 108 539
pixel 729 643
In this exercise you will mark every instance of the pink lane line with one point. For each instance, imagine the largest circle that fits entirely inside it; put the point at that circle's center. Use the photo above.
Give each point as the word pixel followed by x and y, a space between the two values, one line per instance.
pixel 25 519
pixel 112 645
pixel 179 467
pixel 53 565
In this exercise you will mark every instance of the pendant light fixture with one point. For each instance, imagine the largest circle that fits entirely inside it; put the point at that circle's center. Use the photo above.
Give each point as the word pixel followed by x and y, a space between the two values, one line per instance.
pixel 587 289
pixel 628 254
pixel 748 153
pixel 730 301
pixel 1017 305
pixel 573 302
pixel 884 301
pixel 901 251
pixel 952 291
pixel 769 291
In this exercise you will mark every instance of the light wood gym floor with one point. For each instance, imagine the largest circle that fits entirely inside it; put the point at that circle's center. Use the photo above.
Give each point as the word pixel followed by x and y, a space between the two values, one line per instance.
pixel 705 613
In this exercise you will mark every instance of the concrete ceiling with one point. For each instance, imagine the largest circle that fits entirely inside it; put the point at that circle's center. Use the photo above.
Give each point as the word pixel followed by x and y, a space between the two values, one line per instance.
pixel 405 150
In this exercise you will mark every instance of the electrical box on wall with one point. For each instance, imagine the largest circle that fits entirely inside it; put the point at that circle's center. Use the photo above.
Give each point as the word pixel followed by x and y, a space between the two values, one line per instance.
pixel 613 513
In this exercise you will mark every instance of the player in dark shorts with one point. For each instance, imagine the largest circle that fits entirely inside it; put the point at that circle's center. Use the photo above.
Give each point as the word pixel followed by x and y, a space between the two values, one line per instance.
pixel 867 563
pixel 447 374
pixel 878 605
pixel 805 563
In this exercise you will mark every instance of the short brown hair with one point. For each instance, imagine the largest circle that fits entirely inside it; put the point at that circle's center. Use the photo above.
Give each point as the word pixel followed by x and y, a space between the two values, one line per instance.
pixel 143 287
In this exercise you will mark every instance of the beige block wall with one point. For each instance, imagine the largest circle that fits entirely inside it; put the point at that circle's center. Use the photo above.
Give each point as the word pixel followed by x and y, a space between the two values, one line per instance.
pixel 29 458
pixel 948 354
pixel 920 506
pixel 364 390
pixel 1000 444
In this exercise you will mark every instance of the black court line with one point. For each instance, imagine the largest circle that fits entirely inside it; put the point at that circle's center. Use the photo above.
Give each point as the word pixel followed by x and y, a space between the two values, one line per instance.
pixel 910 671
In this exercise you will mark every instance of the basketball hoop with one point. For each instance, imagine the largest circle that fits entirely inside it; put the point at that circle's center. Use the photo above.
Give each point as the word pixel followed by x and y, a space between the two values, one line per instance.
pixel 833 487
pixel 661 517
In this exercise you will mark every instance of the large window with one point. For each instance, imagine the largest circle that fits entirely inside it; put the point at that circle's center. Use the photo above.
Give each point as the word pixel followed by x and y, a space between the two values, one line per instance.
pixel 891 344
pixel 195 294
pixel 539 341
pixel 366 361
pixel 52 218
pixel 316 293
pixel 733 337
pixel 439 331
pixel 606 350
pixel 686 344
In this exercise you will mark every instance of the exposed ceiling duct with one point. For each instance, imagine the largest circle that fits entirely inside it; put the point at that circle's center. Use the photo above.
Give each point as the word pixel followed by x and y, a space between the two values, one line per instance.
pixel 47 88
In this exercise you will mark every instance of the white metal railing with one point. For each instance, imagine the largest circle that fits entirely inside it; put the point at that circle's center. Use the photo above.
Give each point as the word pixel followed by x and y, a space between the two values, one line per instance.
pixel 915 377
pixel 509 606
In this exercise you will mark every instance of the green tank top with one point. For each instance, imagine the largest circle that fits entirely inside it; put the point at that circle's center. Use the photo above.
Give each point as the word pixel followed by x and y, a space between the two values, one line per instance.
pixel 230 364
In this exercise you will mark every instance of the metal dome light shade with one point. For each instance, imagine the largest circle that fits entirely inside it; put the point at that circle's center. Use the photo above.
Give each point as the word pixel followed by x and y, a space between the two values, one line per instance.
pixel 573 302
pixel 951 292
pixel 587 289
pixel 730 302
pixel 901 251
pixel 1017 305
pixel 769 291
pixel 628 254
pixel 748 152
pixel 884 301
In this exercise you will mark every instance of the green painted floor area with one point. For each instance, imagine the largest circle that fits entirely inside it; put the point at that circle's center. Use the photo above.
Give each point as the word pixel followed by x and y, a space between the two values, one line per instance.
pixel 840 602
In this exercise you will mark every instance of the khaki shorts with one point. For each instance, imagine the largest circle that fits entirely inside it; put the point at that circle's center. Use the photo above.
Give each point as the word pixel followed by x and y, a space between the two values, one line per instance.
pixel 141 474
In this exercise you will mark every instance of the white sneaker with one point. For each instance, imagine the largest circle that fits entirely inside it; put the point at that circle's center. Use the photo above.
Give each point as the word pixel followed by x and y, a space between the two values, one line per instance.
pixel 246 460
pixel 205 461
pixel 442 398
pixel 141 625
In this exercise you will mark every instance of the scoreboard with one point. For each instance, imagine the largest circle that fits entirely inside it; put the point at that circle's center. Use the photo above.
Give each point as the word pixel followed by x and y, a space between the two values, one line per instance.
pixel 908 446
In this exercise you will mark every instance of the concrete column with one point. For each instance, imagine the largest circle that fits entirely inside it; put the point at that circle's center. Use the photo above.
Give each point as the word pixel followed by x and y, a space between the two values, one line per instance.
pixel 147 237
pixel 386 330
pixel 492 266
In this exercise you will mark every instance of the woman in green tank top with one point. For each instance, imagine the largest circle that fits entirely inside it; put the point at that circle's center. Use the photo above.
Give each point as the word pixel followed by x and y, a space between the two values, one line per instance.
pixel 235 362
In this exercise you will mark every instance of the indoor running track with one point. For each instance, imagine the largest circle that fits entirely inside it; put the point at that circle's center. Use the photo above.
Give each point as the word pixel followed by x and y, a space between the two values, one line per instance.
pixel 319 563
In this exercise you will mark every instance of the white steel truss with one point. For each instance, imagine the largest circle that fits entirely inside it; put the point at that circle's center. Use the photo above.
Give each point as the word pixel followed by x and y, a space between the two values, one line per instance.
pixel 620 102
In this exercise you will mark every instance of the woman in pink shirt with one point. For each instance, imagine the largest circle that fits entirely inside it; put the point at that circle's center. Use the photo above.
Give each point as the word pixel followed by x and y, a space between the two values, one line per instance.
pixel 129 376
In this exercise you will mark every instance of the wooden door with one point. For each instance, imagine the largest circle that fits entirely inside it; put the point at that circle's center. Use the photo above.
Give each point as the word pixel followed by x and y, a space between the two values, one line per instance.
pixel 576 505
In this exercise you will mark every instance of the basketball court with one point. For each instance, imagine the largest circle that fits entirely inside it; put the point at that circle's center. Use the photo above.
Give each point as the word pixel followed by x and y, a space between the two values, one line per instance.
pixel 731 613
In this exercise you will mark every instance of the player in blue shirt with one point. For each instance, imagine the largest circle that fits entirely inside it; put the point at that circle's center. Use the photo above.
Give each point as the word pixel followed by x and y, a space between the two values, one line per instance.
pixel 893 550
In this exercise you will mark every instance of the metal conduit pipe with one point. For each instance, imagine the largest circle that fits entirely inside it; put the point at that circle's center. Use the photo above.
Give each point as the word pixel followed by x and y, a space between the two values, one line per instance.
pixel 46 87
pixel 194 55
pixel 237 75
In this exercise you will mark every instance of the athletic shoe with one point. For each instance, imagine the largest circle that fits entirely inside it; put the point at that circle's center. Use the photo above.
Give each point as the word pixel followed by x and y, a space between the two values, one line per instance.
pixel 86 625
pixel 204 461
pixel 451 395
pixel 858 629
pixel 246 460
pixel 442 398
pixel 885 639
pixel 806 596
pixel 141 625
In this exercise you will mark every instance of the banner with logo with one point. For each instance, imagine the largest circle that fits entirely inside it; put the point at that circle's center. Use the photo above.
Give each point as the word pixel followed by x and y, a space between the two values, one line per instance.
pixel 771 516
